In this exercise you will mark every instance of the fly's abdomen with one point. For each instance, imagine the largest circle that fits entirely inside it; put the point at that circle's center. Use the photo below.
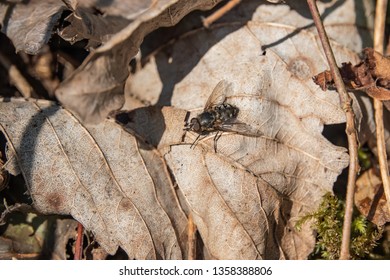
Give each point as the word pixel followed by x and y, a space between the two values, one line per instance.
pixel 226 112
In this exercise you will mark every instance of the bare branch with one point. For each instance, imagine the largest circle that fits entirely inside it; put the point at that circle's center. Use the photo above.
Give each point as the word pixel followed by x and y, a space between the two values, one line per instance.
pixel 346 103
pixel 380 19
pixel 220 12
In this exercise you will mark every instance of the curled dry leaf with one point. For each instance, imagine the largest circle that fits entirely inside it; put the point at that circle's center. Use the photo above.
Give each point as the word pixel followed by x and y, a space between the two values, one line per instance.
pixel 29 25
pixel 84 24
pixel 370 198
pixel 100 176
pixel 126 9
pixel 371 75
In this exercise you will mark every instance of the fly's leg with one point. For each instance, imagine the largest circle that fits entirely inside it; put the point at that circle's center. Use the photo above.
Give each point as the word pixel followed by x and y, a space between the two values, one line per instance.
pixel 195 142
pixel 183 137
pixel 200 137
pixel 216 138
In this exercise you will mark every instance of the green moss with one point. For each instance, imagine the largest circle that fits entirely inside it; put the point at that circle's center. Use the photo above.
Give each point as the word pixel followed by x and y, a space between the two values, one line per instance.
pixel 328 223
pixel 364 157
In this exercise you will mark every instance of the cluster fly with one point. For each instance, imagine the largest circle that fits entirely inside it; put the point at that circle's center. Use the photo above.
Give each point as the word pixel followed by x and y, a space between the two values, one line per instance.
pixel 219 116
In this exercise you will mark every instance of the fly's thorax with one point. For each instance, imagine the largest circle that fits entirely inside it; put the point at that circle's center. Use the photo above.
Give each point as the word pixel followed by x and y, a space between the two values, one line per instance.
pixel 207 119
pixel 203 122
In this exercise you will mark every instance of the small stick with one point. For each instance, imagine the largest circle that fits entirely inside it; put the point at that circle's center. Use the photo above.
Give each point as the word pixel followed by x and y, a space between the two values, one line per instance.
pixel 16 77
pixel 191 238
pixel 379 31
pixel 350 130
pixel 78 251
pixel 220 12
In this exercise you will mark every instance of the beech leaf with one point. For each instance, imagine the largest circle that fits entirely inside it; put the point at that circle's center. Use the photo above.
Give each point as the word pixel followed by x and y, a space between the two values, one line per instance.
pixel 280 175
pixel 100 176
pixel 256 187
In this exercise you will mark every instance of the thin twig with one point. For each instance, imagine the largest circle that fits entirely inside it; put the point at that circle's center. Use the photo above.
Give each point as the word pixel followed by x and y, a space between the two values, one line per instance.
pixel 220 12
pixel 78 252
pixel 16 77
pixel 346 103
pixel 379 31
pixel 191 244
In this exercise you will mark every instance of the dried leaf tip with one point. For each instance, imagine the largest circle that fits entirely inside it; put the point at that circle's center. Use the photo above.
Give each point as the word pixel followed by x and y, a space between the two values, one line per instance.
pixel 371 74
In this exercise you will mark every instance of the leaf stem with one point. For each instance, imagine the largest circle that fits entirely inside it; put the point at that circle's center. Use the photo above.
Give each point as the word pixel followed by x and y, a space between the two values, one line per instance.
pixel 191 244
pixel 220 12
pixel 379 31
pixel 78 253
pixel 346 103
pixel 16 77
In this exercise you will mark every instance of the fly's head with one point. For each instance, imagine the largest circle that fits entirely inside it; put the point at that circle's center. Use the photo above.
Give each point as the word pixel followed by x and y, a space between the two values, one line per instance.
pixel 202 123
pixel 195 125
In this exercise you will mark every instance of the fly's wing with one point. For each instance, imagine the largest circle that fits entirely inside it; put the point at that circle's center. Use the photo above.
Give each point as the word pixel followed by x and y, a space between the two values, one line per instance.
pixel 238 127
pixel 219 93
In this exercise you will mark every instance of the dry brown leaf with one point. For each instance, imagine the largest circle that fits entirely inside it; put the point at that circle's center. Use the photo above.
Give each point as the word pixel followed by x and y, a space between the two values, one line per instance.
pixel 100 176
pixel 370 198
pixel 348 22
pixel 29 25
pixel 371 75
pixel 379 68
pixel 166 77
pixel 128 9
pixel 254 188
pixel 377 64
pixel 291 163
pixel 184 74
pixel 84 24
pixel 245 198
pixel 96 87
